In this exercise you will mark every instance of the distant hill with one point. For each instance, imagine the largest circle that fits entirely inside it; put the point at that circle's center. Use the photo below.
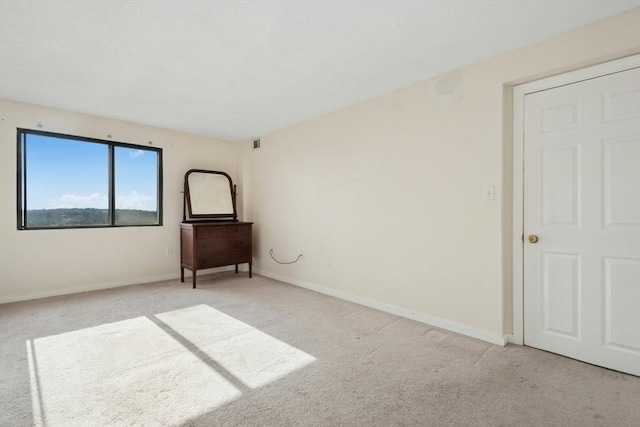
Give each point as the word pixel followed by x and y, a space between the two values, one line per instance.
pixel 87 217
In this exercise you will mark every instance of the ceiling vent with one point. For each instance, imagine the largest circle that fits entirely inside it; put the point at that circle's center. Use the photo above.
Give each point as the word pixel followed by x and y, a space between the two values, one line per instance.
pixel 256 144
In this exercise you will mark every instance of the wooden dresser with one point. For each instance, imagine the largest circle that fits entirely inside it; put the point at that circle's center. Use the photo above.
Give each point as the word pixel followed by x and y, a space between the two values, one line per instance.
pixel 209 244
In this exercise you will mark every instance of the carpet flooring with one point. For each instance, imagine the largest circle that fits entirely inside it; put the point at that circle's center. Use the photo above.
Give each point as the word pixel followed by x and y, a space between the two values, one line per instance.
pixel 257 352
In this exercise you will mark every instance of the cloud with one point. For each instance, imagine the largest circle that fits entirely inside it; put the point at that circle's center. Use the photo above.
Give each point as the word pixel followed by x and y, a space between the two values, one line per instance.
pixel 134 200
pixel 95 200
pixel 136 154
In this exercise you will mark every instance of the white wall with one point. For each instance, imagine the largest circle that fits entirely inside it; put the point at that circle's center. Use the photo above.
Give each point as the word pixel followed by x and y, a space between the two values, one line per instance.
pixel 51 262
pixel 385 198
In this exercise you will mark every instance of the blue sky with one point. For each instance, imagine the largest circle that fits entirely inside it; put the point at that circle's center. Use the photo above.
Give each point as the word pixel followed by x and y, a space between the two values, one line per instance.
pixel 63 173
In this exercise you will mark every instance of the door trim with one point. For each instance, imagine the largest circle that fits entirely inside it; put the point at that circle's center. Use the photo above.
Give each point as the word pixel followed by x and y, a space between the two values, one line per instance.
pixel 519 93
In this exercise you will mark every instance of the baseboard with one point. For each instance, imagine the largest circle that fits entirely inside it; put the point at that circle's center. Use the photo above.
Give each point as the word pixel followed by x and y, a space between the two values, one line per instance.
pixel 389 308
pixel 107 285
pixel 95 287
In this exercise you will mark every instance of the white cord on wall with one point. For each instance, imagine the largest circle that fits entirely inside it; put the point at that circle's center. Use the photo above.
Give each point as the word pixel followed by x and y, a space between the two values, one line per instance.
pixel 281 262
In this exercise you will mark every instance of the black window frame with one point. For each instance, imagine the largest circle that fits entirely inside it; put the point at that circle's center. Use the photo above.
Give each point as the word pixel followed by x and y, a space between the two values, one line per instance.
pixel 22 187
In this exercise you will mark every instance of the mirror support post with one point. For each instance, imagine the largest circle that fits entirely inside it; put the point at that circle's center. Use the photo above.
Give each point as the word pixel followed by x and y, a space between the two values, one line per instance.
pixel 235 193
pixel 184 205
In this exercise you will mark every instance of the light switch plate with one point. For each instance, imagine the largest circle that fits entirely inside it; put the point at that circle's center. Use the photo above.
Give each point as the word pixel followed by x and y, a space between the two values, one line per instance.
pixel 489 192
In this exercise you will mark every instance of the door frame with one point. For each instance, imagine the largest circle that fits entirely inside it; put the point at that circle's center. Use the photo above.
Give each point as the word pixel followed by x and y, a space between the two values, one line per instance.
pixel 519 93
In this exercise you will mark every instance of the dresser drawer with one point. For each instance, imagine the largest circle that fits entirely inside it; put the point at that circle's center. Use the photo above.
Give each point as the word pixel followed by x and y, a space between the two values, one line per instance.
pixel 222 230
pixel 219 259
pixel 211 231
pixel 239 229
pixel 223 243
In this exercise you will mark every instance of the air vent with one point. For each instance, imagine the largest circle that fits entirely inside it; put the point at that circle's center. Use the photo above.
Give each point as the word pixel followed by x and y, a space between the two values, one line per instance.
pixel 256 144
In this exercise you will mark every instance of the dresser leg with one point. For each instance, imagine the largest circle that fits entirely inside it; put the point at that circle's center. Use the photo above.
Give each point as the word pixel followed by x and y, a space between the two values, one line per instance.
pixel 181 274
pixel 194 279
pixel 249 270
pixel 236 268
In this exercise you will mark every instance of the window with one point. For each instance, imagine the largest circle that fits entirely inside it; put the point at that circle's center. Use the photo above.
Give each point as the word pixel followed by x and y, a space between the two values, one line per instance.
pixel 69 181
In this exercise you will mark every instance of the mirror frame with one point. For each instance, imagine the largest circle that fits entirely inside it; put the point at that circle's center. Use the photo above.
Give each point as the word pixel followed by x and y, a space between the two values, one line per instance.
pixel 214 216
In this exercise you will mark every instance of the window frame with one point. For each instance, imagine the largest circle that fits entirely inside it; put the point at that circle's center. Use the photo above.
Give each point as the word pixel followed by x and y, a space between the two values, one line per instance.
pixel 21 185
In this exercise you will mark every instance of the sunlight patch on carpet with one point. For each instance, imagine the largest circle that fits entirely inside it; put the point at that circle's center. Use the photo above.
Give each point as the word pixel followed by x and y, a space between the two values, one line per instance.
pixel 163 370
pixel 250 355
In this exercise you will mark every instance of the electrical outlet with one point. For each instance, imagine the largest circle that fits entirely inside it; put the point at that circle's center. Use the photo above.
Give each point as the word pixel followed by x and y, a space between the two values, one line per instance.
pixel 329 260
pixel 168 251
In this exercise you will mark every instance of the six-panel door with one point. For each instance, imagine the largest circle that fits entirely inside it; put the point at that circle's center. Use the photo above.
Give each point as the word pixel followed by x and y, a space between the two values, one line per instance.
pixel 582 202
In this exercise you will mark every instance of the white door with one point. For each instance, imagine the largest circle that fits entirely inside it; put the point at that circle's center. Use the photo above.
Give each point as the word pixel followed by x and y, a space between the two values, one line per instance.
pixel 582 201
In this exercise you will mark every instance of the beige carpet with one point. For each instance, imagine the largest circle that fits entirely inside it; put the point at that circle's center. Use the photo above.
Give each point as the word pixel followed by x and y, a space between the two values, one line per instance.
pixel 256 352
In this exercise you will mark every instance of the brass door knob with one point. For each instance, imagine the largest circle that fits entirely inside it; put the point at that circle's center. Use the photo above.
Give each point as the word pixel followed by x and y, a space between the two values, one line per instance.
pixel 533 238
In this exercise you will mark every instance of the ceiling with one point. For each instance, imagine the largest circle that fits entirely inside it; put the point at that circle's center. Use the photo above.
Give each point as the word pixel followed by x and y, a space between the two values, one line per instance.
pixel 236 70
